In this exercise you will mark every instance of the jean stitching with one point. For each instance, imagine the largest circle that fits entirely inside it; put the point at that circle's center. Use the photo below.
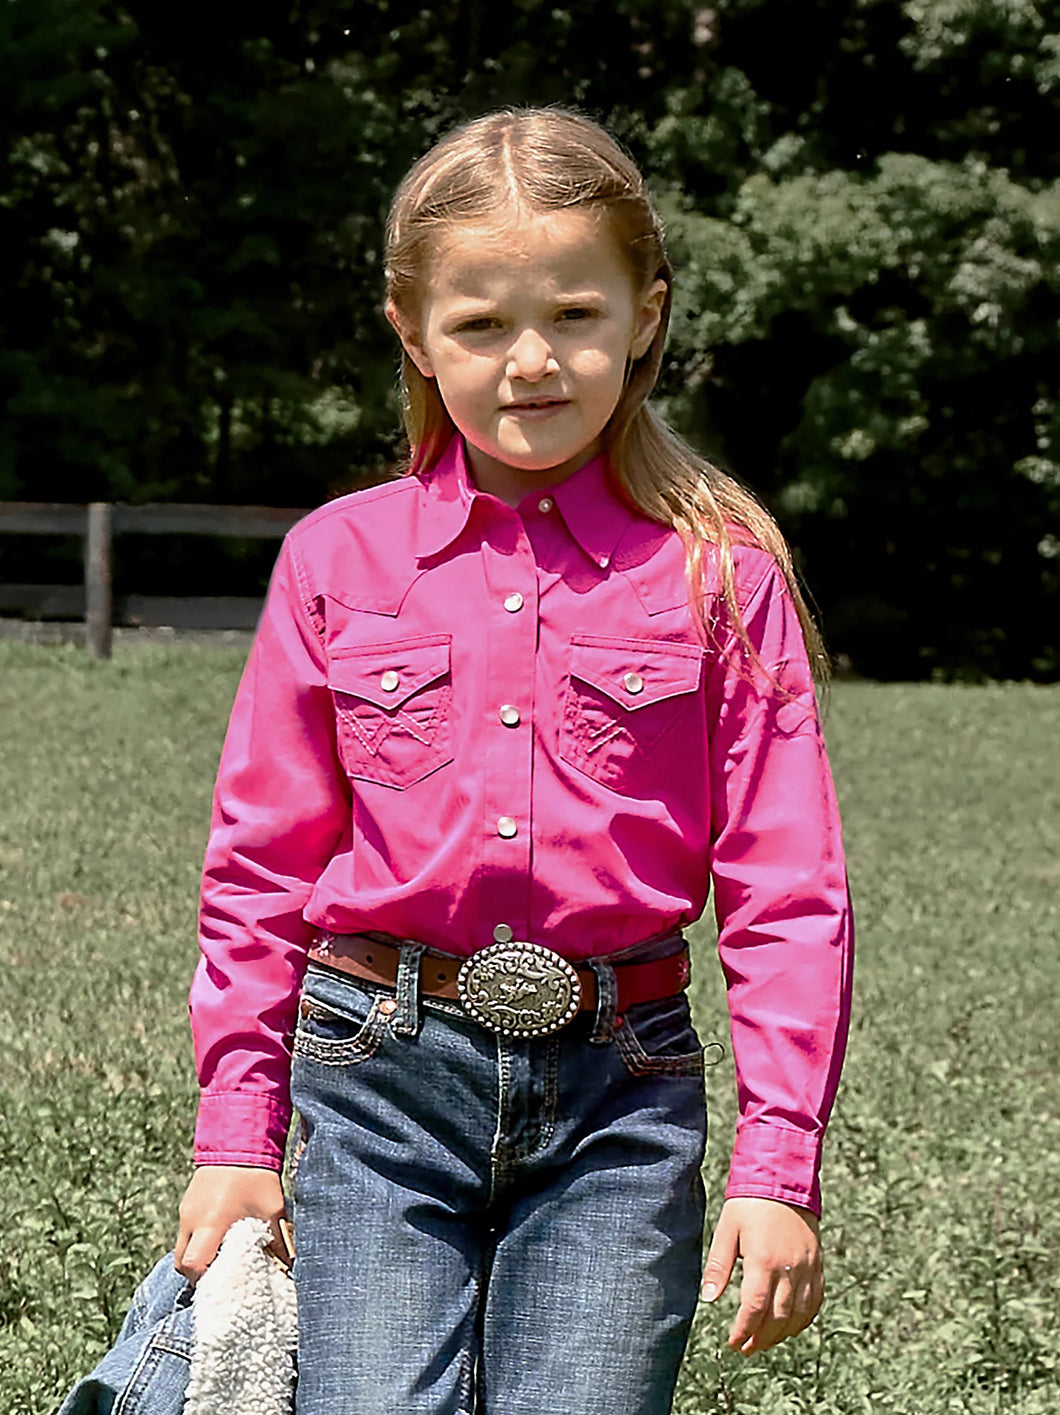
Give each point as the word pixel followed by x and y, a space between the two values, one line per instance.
pixel 551 1103
pixel 346 1053
pixel 641 1064
pixel 136 1383
pixel 299 1150
pixel 406 1019
pixel 467 1354
pixel 498 1167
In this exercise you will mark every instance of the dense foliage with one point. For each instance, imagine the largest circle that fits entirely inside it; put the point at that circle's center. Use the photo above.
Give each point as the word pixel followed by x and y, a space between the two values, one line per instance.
pixel 864 205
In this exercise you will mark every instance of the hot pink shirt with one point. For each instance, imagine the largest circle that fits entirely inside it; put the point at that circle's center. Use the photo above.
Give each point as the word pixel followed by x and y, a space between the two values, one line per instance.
pixel 458 715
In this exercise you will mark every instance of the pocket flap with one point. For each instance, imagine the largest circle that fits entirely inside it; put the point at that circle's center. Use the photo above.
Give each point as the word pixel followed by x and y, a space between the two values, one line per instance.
pixel 636 672
pixel 389 674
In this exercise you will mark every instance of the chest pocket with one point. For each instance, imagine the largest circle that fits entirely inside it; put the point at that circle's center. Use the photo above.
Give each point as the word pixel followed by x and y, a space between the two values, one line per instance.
pixel 624 697
pixel 393 709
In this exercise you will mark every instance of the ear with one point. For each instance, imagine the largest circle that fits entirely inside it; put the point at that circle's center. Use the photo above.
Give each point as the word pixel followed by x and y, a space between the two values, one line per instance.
pixel 408 341
pixel 648 317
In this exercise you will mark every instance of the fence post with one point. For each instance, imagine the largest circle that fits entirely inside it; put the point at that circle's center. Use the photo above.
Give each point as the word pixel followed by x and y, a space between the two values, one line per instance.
pixel 98 607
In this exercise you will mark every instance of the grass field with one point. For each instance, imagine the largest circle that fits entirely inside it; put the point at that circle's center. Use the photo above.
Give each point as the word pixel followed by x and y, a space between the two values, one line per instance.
pixel 942 1177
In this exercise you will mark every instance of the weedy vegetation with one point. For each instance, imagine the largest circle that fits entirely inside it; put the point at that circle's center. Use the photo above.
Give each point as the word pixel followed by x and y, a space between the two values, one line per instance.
pixel 942 1171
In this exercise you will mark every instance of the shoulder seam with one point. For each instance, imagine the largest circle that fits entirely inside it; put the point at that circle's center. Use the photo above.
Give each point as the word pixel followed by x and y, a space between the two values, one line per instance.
pixel 365 495
pixel 309 607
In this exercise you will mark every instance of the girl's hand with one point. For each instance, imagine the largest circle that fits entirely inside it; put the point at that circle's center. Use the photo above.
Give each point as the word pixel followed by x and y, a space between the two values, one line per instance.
pixel 217 1196
pixel 783 1270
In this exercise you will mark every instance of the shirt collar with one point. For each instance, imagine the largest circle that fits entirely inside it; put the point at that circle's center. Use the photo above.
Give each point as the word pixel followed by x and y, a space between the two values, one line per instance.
pixel 445 502
pixel 595 517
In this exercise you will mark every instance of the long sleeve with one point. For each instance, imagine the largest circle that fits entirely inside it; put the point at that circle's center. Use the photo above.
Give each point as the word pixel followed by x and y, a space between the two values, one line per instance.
pixel 780 895
pixel 280 805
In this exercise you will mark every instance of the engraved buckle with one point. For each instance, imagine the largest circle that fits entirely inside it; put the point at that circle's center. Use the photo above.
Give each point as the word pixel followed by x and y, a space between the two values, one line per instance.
pixel 519 989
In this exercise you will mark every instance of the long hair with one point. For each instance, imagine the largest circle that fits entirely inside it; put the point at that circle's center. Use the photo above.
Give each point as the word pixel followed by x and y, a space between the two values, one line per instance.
pixel 550 159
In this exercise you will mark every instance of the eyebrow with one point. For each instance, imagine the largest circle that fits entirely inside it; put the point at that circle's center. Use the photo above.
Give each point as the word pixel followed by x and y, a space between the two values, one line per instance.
pixel 482 304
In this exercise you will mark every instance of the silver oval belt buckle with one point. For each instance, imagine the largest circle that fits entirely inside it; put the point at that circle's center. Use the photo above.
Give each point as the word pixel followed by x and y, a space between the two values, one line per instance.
pixel 519 989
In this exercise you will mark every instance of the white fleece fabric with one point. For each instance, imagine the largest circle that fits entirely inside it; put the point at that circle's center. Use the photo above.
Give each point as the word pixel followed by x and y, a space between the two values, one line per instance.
pixel 246 1330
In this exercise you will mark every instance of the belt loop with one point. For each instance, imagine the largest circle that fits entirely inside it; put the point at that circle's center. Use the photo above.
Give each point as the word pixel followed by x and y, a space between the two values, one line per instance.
pixel 606 1001
pixel 406 1020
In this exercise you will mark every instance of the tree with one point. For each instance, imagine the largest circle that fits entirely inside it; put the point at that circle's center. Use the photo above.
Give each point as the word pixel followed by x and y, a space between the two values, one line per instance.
pixel 863 205
pixel 866 321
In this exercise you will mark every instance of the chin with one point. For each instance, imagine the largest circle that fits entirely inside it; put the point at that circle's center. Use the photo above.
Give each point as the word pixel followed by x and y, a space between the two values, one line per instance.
pixel 535 459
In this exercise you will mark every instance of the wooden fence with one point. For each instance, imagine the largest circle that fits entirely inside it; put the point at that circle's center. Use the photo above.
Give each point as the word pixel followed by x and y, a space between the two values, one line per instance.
pixel 98 524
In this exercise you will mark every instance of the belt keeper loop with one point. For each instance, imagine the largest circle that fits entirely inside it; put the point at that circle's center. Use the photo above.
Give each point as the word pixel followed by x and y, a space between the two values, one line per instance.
pixel 406 1020
pixel 606 1001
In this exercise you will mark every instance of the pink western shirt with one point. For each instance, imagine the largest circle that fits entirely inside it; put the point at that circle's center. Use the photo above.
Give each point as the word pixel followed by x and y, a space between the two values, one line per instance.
pixel 458 715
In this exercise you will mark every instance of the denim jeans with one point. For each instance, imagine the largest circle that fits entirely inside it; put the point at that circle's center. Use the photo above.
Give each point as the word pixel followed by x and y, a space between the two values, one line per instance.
pixel 146 1371
pixel 489 1226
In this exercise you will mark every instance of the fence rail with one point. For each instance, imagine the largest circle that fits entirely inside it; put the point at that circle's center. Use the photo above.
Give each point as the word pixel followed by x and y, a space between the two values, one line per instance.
pixel 98 523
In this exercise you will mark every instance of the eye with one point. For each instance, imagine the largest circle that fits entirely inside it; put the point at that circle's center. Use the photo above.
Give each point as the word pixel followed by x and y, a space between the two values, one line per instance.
pixel 478 325
pixel 576 312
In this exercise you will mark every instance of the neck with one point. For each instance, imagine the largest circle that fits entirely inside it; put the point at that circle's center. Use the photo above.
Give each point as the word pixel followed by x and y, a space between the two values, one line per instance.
pixel 511 484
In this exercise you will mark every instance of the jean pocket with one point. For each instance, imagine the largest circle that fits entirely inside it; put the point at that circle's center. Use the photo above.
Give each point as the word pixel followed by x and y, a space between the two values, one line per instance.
pixel 624 696
pixel 158 1382
pixel 393 709
pixel 341 1032
pixel 659 1039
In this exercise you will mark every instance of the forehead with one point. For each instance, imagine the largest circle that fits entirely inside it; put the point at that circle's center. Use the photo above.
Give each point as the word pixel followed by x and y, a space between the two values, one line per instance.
pixel 575 247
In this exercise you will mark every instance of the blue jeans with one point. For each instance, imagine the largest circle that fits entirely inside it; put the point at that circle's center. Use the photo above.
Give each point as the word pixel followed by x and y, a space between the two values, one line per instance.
pixel 146 1371
pixel 487 1226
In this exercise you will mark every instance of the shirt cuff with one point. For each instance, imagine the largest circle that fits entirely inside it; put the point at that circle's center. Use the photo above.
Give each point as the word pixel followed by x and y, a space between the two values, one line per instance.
pixel 776 1162
pixel 238 1127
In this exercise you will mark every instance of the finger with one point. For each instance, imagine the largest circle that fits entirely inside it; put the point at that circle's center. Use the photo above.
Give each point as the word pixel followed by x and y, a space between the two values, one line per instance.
pixel 721 1259
pixel 796 1301
pixel 776 1319
pixel 180 1246
pixel 808 1299
pixel 756 1296
pixel 199 1253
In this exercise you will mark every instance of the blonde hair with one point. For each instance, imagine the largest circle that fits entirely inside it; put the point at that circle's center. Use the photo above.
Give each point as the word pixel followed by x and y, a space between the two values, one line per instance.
pixel 550 159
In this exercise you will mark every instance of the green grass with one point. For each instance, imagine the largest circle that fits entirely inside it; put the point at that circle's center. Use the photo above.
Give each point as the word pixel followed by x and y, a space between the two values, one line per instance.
pixel 942 1176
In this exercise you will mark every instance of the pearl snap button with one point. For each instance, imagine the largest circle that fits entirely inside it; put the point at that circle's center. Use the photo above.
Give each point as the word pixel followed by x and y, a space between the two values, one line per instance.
pixel 503 933
pixel 388 1005
pixel 509 715
pixel 507 827
pixel 545 504
pixel 633 682
pixel 389 681
pixel 514 602
pixel 605 561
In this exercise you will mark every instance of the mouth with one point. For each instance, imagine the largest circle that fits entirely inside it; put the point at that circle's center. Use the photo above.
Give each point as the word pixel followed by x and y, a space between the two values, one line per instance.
pixel 530 405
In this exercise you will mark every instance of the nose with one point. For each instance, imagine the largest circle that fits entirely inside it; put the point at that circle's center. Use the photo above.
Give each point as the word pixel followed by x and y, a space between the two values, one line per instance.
pixel 531 357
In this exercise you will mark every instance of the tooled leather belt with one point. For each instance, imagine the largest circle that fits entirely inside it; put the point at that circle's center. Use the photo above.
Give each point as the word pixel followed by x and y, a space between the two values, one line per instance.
pixel 517 989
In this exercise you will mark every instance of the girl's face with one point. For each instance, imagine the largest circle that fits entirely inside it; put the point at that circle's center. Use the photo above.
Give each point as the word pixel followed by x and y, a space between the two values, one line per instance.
pixel 527 329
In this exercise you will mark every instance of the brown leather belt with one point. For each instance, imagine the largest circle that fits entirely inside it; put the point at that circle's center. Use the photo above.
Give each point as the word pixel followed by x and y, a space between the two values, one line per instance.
pixel 371 959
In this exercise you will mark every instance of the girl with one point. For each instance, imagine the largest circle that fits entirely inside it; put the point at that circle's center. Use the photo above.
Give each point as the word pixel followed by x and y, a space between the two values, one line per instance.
pixel 504 719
